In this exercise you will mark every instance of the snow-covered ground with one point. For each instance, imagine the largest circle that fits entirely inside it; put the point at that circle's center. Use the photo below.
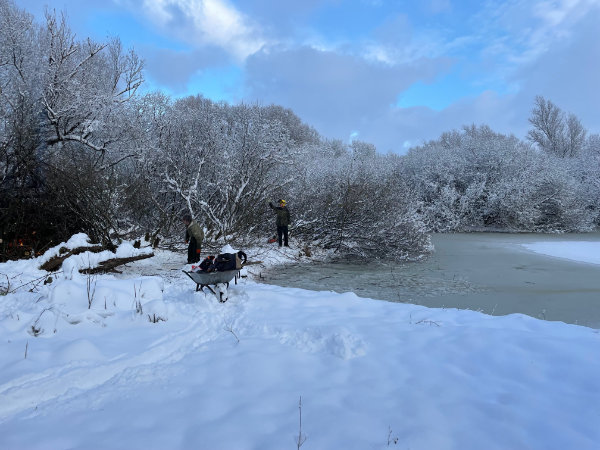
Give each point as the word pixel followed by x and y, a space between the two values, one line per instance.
pixel 141 360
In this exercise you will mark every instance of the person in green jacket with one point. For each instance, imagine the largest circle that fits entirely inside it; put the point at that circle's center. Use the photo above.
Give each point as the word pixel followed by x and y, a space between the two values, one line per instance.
pixel 194 236
pixel 282 222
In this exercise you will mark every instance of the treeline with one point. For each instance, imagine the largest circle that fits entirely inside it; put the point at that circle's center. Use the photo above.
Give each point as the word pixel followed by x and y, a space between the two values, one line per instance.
pixel 475 179
pixel 82 150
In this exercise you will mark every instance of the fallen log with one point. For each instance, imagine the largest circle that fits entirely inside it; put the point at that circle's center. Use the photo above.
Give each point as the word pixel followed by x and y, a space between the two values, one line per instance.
pixel 110 264
pixel 55 263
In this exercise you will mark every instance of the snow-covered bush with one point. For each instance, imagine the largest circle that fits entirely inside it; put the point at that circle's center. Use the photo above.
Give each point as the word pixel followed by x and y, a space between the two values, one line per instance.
pixel 478 179
pixel 355 202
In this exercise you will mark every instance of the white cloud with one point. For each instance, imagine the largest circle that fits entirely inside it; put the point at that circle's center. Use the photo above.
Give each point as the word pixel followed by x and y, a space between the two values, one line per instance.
pixel 555 13
pixel 519 31
pixel 344 87
pixel 207 22
pixel 336 93
pixel 378 53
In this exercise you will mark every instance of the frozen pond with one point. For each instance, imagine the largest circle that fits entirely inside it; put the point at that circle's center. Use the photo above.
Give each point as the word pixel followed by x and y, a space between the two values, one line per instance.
pixel 489 272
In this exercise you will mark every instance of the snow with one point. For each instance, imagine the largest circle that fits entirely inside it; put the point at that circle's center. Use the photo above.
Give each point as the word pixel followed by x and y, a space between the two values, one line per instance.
pixel 588 252
pixel 76 241
pixel 371 374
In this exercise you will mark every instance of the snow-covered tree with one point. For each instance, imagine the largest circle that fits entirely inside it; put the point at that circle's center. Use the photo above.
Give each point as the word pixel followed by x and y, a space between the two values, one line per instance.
pixel 64 121
pixel 553 131
pixel 478 179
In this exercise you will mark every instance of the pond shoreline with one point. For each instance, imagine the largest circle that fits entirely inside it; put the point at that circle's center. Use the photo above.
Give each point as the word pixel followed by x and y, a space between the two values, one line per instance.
pixel 488 272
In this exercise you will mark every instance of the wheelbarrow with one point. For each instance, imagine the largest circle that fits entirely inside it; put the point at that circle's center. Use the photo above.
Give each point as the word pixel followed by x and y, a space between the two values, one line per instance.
pixel 214 281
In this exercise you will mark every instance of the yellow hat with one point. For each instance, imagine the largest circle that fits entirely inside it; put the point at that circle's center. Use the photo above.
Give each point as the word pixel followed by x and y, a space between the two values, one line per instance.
pixel 282 201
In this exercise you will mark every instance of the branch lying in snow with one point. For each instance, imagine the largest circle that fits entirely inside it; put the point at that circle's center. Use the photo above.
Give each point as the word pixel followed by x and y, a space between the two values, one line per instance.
pixel 301 437
pixel 249 263
pixel 230 329
pixel 55 263
pixel 429 322
pixel 35 282
pixel 5 290
pixel 110 264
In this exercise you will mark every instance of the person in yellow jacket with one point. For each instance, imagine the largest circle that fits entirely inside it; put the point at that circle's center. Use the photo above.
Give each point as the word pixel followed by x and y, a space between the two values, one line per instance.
pixel 193 237
pixel 282 222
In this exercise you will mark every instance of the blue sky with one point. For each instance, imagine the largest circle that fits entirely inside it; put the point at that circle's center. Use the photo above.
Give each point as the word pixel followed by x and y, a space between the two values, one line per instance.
pixel 394 73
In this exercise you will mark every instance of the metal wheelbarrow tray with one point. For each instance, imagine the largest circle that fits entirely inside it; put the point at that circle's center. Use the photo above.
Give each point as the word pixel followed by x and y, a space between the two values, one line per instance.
pixel 208 279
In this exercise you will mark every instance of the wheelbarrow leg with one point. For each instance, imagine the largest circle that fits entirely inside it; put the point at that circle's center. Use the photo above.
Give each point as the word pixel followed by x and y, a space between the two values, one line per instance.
pixel 209 288
pixel 222 289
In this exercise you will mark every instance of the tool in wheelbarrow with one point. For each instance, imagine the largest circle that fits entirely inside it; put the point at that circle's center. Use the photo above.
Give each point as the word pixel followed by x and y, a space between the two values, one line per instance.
pixel 218 272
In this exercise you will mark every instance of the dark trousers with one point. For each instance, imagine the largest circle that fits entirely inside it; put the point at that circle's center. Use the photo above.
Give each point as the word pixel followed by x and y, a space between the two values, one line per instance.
pixel 282 231
pixel 193 255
